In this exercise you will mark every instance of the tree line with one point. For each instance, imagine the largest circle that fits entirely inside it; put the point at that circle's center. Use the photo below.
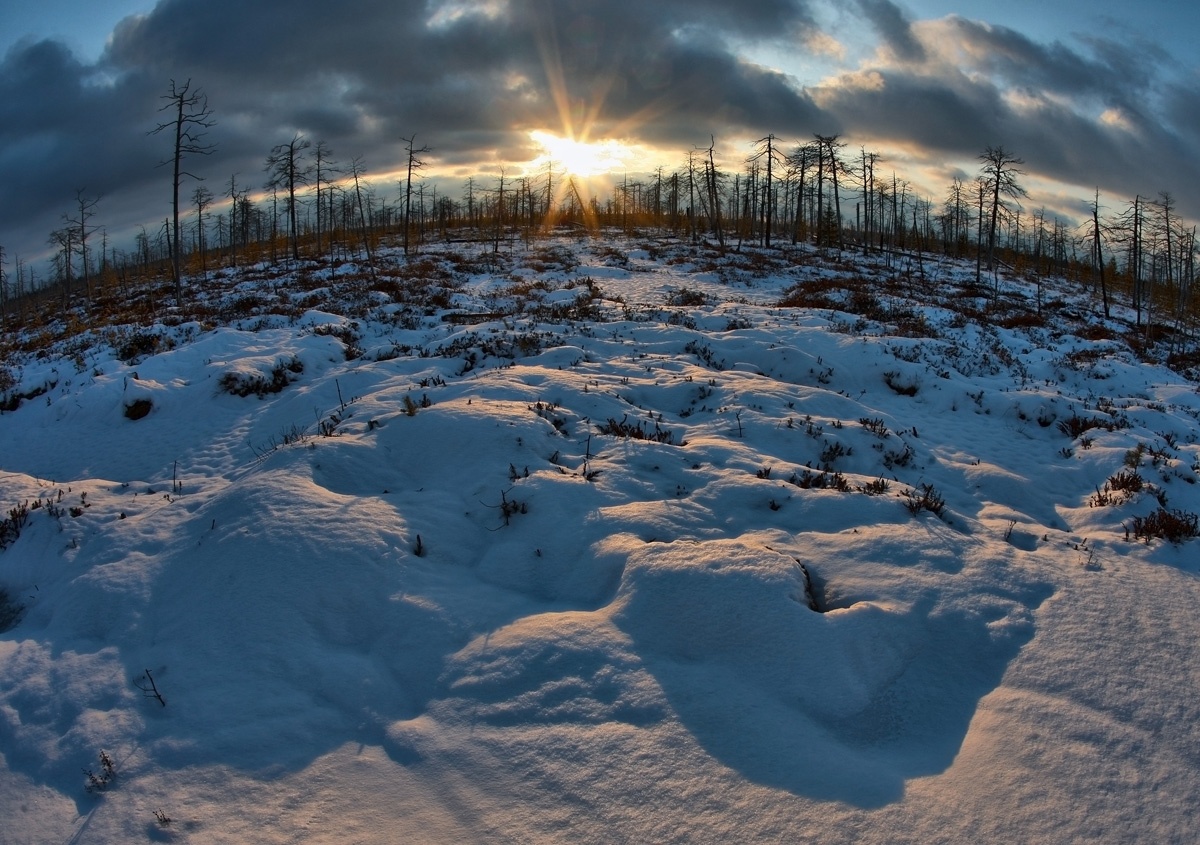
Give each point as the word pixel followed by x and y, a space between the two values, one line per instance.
pixel 816 192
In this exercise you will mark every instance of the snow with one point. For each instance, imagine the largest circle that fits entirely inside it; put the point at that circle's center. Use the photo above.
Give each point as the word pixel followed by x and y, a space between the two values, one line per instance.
pixel 417 595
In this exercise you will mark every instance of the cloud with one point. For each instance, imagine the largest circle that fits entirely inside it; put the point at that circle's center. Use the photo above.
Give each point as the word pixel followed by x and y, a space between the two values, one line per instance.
pixel 894 27
pixel 472 78
pixel 62 131
pixel 1098 117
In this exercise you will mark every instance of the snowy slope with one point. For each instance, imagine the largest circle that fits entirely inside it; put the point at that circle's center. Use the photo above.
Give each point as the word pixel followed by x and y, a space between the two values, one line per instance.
pixel 419 595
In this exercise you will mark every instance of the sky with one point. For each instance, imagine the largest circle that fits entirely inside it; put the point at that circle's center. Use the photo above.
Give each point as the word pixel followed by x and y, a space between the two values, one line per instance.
pixel 1089 94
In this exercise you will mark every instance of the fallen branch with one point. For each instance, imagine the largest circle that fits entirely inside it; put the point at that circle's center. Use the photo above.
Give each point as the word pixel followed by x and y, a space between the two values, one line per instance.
pixel 150 691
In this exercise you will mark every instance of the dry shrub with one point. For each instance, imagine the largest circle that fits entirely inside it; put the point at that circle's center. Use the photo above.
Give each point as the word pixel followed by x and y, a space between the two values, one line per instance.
pixel 1023 320
pixel 1076 425
pixel 1174 526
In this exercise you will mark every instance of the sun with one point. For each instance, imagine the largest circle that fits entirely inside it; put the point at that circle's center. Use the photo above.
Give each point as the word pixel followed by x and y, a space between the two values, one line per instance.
pixel 580 158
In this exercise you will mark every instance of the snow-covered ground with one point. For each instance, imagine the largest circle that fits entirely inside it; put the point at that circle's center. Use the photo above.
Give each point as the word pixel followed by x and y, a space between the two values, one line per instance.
pixel 418 595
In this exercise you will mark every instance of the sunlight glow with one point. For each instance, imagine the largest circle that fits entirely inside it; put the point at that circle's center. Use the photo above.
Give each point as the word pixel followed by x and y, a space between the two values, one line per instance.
pixel 583 159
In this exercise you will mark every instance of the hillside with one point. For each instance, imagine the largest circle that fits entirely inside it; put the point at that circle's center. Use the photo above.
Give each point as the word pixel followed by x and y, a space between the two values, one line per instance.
pixel 600 541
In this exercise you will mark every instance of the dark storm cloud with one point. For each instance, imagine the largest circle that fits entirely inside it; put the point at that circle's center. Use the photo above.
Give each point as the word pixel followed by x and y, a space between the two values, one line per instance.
pixel 894 28
pixel 1102 118
pixel 385 59
pixel 62 130
pixel 937 114
pixel 1183 107
pixel 471 78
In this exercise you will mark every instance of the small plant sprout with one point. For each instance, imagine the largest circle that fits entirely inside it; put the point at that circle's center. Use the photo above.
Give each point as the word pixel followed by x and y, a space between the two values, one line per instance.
pixel 508 507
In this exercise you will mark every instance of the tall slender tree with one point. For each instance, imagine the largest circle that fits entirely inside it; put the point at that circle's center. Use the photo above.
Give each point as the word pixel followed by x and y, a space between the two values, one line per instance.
pixel 1000 171
pixel 64 239
pixel 1097 252
pixel 85 210
pixel 800 162
pixel 357 169
pixel 323 166
pixel 956 208
pixel 830 164
pixel 1130 227
pixel 867 174
pixel 981 190
pixel 767 153
pixel 190 117
pixel 287 169
pixel 3 293
pixel 234 215
pixel 714 192
pixel 415 164
pixel 202 198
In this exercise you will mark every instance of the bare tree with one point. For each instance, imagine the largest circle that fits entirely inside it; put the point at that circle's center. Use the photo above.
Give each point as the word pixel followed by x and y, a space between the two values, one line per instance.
pixel 1000 170
pixel 1097 252
pixel 713 179
pixel 3 293
pixel 1130 227
pixel 800 162
pixel 469 199
pixel 957 211
pixel 1165 206
pixel 415 163
pixel 287 170
pixel 767 152
pixel 1187 277
pixel 867 173
pixel 190 117
pixel 356 171
pixel 322 167
pixel 499 212
pixel 202 198
pixel 19 289
pixel 236 214
pixel 981 189
pixel 548 205
pixel 691 209
pixel 829 163
pixel 64 240
pixel 658 195
pixel 86 210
